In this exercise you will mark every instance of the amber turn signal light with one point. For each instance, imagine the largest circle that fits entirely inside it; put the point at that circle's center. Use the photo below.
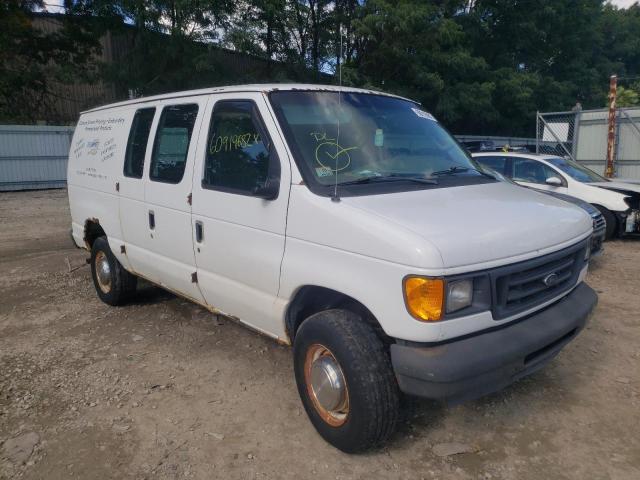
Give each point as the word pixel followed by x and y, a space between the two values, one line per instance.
pixel 424 297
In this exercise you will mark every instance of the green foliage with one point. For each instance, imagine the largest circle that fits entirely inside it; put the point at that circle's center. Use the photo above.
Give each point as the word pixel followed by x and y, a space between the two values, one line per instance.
pixel 626 97
pixel 33 61
pixel 482 66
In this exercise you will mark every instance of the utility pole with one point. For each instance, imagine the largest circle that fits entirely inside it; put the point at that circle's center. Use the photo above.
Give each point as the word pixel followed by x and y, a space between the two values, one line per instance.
pixel 611 135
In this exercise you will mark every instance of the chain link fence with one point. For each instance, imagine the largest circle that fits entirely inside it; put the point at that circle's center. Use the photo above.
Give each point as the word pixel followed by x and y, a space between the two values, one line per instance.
pixel 556 133
pixel 582 136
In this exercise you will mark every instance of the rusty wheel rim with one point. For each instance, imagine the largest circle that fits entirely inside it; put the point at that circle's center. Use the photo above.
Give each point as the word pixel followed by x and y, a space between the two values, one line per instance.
pixel 326 385
pixel 103 272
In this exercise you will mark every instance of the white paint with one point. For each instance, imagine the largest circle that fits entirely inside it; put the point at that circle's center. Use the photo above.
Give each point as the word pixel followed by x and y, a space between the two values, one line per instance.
pixel 593 193
pixel 257 254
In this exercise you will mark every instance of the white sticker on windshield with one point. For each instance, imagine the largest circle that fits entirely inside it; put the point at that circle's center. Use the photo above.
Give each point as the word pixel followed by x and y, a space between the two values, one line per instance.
pixel 378 139
pixel 423 114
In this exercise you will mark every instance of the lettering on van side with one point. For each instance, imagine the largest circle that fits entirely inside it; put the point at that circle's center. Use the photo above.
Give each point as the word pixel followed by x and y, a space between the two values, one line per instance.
pixel 100 124
pixel 91 172
pixel 78 148
pixel 93 146
pixel 108 149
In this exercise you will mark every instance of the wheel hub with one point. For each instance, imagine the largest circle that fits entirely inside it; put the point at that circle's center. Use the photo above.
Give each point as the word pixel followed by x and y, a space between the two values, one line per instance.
pixel 326 385
pixel 103 272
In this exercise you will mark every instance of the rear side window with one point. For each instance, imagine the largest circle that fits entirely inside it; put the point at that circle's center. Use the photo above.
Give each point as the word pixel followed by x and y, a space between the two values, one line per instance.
pixel 237 149
pixel 495 163
pixel 171 144
pixel 137 143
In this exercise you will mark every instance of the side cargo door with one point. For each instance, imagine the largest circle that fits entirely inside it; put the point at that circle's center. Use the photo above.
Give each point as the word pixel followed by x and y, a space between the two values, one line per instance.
pixel 131 186
pixel 168 256
pixel 240 196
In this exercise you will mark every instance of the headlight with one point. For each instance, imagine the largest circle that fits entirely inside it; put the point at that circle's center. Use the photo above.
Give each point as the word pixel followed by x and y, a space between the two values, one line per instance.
pixel 424 297
pixel 428 298
pixel 459 295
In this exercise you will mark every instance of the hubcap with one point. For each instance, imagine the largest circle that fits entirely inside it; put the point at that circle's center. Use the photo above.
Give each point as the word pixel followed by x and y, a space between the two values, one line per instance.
pixel 326 385
pixel 103 272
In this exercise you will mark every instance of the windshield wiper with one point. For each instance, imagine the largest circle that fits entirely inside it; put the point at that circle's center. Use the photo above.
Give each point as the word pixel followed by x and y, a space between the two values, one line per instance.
pixel 391 178
pixel 451 171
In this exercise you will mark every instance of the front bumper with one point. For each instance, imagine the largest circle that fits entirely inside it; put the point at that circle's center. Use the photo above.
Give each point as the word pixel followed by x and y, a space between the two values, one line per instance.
pixel 628 229
pixel 481 364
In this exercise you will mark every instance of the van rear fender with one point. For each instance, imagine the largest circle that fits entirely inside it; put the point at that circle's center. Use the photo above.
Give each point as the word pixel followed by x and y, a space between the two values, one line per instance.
pixel 94 213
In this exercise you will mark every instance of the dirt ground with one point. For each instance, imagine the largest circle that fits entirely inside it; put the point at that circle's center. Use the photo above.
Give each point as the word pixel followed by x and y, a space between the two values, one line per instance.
pixel 163 389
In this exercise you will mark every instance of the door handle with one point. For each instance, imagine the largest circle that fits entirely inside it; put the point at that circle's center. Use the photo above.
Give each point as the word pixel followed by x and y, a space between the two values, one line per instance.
pixel 199 231
pixel 152 220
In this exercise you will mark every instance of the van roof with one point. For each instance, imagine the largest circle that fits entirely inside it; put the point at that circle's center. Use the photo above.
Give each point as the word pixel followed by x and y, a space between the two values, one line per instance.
pixel 258 87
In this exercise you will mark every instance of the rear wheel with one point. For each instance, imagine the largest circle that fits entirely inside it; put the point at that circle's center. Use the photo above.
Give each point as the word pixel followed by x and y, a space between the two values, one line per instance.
pixel 113 283
pixel 610 221
pixel 345 380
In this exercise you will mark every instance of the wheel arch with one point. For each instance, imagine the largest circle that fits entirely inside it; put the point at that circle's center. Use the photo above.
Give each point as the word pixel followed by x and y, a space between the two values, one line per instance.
pixel 92 231
pixel 311 299
pixel 610 215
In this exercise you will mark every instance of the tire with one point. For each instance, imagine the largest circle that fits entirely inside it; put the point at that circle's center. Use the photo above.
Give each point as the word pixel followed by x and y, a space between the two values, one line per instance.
pixel 113 283
pixel 610 221
pixel 371 394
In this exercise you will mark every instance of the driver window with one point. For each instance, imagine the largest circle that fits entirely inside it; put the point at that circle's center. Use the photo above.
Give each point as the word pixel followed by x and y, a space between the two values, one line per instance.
pixel 237 151
pixel 531 171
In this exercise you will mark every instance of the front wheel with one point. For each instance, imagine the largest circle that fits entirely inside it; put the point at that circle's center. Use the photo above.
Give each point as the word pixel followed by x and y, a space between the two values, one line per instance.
pixel 610 222
pixel 345 380
pixel 113 283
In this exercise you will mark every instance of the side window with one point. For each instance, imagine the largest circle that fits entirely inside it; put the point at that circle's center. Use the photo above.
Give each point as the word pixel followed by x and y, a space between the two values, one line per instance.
pixel 171 145
pixel 526 170
pixel 237 149
pixel 137 143
pixel 495 163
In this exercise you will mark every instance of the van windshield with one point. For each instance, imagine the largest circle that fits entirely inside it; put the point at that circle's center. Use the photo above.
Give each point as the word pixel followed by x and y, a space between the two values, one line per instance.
pixel 352 139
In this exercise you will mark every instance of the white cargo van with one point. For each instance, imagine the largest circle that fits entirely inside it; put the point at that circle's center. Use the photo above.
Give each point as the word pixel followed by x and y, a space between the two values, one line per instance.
pixel 347 223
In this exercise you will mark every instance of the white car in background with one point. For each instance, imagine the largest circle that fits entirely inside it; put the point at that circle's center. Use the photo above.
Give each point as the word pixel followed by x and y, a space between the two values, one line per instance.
pixel 618 201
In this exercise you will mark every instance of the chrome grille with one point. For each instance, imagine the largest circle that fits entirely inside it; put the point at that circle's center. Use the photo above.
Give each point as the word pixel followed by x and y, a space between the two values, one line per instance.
pixel 525 285
pixel 599 222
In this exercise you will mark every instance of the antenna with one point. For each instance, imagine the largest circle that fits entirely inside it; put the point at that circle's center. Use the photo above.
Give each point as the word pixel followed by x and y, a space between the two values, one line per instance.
pixel 335 187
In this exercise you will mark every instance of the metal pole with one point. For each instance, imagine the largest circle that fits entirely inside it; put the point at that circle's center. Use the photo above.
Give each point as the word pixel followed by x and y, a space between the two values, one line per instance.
pixel 576 135
pixel 611 135
pixel 537 131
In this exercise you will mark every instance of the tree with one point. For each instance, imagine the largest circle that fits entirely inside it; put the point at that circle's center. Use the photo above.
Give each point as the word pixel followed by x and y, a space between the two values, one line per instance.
pixel 481 66
pixel 626 97
pixel 32 61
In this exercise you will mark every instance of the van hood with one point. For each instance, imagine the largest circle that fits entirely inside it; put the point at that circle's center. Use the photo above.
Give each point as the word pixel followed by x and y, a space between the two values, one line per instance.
pixel 481 223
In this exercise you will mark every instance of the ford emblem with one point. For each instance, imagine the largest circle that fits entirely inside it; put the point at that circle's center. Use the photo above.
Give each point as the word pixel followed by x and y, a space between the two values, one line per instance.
pixel 550 280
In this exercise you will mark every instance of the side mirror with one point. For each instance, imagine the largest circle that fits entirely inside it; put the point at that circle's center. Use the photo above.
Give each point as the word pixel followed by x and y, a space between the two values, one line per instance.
pixel 271 187
pixel 269 190
pixel 554 182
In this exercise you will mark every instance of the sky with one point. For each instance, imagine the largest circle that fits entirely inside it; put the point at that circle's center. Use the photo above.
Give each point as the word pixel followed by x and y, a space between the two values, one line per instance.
pixel 623 3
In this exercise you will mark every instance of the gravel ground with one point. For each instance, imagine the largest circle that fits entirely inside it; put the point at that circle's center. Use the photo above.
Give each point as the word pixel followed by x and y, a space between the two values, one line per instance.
pixel 163 389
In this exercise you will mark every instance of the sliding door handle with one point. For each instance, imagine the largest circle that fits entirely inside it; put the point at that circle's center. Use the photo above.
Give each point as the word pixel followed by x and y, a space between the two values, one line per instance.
pixel 152 220
pixel 199 231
